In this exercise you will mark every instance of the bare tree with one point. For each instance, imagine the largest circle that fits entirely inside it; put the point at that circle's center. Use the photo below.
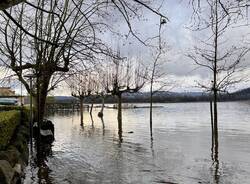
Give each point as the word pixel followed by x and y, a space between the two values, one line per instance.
pixel 156 75
pixel 124 76
pixel 55 35
pixel 45 61
pixel 82 85
pixel 222 59
pixel 101 92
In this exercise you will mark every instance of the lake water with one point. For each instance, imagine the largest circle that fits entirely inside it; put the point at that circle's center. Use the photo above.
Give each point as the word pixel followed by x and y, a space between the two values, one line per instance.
pixel 179 153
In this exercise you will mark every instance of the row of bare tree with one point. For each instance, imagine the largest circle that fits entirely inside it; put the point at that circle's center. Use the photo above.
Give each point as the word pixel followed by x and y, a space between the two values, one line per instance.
pixel 118 75
pixel 52 39
pixel 114 77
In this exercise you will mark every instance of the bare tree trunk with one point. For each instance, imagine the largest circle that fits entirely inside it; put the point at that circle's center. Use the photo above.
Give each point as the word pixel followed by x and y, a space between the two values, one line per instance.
pixel 92 120
pixel 43 97
pixel 103 125
pixel 42 91
pixel 216 160
pixel 39 99
pixel 103 102
pixel 91 109
pixel 215 72
pixel 119 115
pixel 212 127
pixel 215 116
pixel 100 114
pixel 212 116
pixel 81 110
pixel 151 110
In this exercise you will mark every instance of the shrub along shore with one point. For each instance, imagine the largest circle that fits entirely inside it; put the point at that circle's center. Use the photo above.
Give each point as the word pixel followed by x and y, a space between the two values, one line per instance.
pixel 14 136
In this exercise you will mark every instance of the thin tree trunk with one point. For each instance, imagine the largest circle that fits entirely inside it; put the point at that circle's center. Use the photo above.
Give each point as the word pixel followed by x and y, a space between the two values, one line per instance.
pixel 103 102
pixel 212 116
pixel 100 114
pixel 119 115
pixel 215 117
pixel 81 110
pixel 91 108
pixel 151 111
pixel 103 125
pixel 215 90
pixel 216 159
pixel 212 127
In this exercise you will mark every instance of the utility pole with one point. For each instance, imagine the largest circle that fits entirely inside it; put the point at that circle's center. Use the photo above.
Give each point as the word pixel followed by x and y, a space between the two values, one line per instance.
pixel 30 76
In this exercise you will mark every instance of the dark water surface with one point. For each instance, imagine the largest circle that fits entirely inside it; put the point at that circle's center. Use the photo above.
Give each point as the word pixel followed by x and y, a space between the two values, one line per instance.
pixel 179 153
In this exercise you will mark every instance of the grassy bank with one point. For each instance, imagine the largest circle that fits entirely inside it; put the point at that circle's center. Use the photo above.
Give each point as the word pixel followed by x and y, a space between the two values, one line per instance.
pixel 9 121
pixel 10 108
pixel 14 136
pixel 10 118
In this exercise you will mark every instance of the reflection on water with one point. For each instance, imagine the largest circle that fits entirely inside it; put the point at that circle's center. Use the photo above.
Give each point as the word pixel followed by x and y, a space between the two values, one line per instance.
pixel 215 158
pixel 181 152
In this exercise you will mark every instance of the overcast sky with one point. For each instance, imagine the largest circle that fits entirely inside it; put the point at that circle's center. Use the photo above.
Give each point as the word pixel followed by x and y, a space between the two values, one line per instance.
pixel 179 39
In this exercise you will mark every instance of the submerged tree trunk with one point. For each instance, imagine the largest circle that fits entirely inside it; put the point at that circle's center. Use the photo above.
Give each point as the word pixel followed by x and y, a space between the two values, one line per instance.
pixel 91 109
pixel 216 160
pixel 81 110
pixel 100 114
pixel 103 102
pixel 119 115
pixel 215 116
pixel 90 113
pixel 151 111
pixel 215 90
pixel 40 100
pixel 212 116
pixel 212 127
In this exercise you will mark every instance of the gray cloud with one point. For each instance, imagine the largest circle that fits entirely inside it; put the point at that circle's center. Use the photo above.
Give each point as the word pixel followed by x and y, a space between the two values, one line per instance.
pixel 175 34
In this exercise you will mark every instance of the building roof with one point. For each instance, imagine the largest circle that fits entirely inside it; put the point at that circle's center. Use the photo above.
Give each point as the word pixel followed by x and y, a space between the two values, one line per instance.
pixel 6 91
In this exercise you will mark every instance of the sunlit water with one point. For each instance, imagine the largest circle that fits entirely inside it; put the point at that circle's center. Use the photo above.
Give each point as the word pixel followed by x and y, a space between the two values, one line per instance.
pixel 179 153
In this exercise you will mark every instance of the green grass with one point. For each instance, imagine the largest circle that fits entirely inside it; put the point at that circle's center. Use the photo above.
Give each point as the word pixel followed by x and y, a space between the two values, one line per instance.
pixel 9 120
pixel 9 107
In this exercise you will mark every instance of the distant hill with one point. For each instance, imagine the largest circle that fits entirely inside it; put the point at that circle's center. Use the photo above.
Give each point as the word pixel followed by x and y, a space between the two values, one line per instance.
pixel 245 91
pixel 243 94
pixel 61 99
pixel 161 97
pixel 68 99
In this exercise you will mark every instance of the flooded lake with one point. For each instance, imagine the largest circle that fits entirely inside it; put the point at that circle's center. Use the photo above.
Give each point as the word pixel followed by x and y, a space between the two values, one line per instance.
pixel 179 153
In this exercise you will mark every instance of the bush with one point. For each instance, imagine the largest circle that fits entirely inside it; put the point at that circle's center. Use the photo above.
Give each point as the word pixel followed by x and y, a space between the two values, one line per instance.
pixel 10 107
pixel 9 120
